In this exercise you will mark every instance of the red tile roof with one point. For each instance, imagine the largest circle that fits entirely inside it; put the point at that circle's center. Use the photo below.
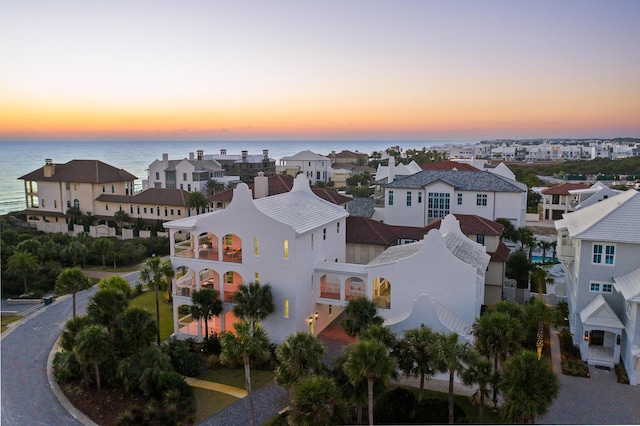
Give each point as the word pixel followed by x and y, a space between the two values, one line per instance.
pixel 472 224
pixel 159 196
pixel 447 165
pixel 82 171
pixel 563 189
pixel 363 230
pixel 501 254
pixel 279 184
pixel 409 232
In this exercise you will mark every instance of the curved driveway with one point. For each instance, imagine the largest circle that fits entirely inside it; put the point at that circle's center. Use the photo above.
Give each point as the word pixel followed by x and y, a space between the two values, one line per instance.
pixel 27 398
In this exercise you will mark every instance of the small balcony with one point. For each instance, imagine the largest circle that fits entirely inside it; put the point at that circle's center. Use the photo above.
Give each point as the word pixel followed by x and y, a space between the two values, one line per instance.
pixel 566 251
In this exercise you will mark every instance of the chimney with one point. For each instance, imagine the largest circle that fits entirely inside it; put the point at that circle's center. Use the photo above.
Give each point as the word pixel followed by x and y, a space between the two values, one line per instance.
pixel 165 158
pixel 49 168
pixel 392 169
pixel 265 154
pixel 260 186
pixel 191 157
pixel 199 153
pixel 223 151
pixel 244 155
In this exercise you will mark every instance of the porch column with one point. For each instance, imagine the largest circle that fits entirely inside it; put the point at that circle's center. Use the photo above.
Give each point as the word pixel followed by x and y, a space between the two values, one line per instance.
pixel 343 284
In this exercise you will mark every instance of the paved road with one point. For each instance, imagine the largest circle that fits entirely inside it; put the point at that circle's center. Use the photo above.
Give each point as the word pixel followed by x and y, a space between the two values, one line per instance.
pixel 27 398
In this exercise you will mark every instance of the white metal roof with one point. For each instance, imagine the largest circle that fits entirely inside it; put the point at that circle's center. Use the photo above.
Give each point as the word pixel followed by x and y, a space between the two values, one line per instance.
pixel 629 285
pixel 598 313
pixel 306 156
pixel 616 219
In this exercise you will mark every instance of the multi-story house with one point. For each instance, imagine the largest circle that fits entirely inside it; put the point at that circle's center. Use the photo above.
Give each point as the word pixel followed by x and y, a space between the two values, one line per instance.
pixel 340 172
pixel 295 242
pixel 594 194
pixel 55 188
pixel 425 196
pixel 346 156
pixel 558 200
pixel 151 205
pixel 245 166
pixel 599 247
pixel 189 174
pixel 315 167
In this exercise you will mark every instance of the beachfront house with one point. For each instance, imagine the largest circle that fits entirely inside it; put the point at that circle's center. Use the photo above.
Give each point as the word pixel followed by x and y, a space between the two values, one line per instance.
pixel 315 167
pixel 295 241
pixel 599 247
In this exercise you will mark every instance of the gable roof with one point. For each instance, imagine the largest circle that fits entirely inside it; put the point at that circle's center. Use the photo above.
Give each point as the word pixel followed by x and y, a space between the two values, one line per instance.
pixel 598 313
pixel 465 180
pixel 362 230
pixel 306 155
pixel 472 224
pixel 501 254
pixel 280 184
pixel 564 188
pixel 156 196
pixel 361 206
pixel 447 165
pixel 629 285
pixel 82 171
pixel 348 155
pixel 616 219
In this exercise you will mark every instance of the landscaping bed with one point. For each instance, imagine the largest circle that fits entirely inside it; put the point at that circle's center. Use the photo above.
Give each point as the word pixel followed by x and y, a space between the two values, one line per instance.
pixel 572 363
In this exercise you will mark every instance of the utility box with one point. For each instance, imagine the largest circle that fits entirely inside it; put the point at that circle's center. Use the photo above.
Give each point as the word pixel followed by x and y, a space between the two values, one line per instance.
pixel 48 300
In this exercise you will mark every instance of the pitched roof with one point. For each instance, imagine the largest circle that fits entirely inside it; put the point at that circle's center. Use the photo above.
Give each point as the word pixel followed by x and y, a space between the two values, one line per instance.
pixel 598 313
pixel 564 188
pixel 346 154
pixel 465 180
pixel 628 285
pixel 447 165
pixel 280 184
pixel 616 219
pixel 361 206
pixel 362 230
pixel 158 196
pixel 409 232
pixel 306 155
pixel 501 254
pixel 82 171
pixel 472 224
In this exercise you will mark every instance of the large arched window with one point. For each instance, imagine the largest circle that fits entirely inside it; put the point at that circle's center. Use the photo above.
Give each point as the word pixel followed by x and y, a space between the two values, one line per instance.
pixel 381 293
pixel 354 288
pixel 232 248
pixel 183 246
pixel 330 287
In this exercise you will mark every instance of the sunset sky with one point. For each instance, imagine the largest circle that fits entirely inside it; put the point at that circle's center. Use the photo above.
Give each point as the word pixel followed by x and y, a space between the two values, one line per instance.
pixel 293 70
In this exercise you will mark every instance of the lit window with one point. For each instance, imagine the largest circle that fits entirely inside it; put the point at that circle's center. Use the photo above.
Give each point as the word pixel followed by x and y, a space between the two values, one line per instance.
pixel 481 199
pixel 595 287
pixel 286 249
pixel 257 278
pixel 228 239
pixel 255 246
pixel 286 308
pixel 390 198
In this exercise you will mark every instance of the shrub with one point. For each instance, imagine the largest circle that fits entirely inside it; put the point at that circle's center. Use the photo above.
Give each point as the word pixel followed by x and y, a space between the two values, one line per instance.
pixel 65 367
pixel 183 360
pixel 575 367
pixel 621 373
pixel 396 406
pixel 437 411
pixel 211 345
pixel 211 362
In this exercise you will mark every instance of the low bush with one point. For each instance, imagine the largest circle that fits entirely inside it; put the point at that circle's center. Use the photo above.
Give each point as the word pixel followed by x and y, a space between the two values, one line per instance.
pixel 621 374
pixel 437 411
pixel 575 367
pixel 395 407
pixel 211 345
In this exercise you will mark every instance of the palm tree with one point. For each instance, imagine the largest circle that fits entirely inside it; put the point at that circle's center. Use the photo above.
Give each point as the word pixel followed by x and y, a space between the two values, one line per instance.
pixel 479 372
pixel 154 273
pixel 544 246
pixel 197 201
pixel 300 356
pixel 92 347
pixel 85 242
pixel 103 246
pixel 22 263
pixel 136 330
pixel 254 302
pixel 529 385
pixel 416 353
pixel 313 401
pixel 206 305
pixel 361 314
pixel 380 334
pixel 117 283
pixel 121 216
pixel 247 343
pixel 497 335
pixel 351 391
pixel 214 186
pixel 370 360
pixel 74 214
pixel 509 231
pixel 74 251
pixel 72 280
pixel 106 306
pixel 451 354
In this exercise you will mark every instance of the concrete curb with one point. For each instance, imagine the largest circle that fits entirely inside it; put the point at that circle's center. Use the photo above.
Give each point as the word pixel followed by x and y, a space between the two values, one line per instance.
pixel 77 414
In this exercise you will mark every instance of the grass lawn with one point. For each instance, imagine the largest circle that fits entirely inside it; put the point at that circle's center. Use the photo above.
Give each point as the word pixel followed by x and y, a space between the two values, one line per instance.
pixel 147 300
pixel 9 319
pixel 110 268
pixel 235 377
pixel 209 402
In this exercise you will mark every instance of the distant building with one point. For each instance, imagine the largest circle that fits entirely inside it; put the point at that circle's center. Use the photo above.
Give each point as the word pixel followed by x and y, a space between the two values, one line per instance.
pixel 346 156
pixel 313 166
pixel 151 205
pixel 55 188
pixel 558 199
pixel 246 166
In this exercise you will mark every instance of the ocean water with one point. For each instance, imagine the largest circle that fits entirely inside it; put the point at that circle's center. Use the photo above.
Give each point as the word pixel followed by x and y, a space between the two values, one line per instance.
pixel 20 158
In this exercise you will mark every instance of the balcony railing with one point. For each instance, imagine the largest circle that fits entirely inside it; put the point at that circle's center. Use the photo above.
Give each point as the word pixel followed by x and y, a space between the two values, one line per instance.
pixel 566 251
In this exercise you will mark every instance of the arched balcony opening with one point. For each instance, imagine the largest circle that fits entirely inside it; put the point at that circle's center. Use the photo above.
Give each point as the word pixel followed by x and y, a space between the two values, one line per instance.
pixel 354 288
pixel 381 293
pixel 210 279
pixel 231 282
pixel 183 244
pixel 232 248
pixel 186 323
pixel 330 287
pixel 229 320
pixel 208 246
pixel 185 281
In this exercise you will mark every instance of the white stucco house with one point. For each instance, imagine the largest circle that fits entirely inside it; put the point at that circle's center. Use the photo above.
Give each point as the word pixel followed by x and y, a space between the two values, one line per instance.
pixel 599 247
pixel 296 242
pixel 314 167
pixel 422 197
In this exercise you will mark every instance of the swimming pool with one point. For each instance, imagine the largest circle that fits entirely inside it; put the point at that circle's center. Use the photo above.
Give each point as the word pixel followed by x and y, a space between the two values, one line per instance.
pixel 538 259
